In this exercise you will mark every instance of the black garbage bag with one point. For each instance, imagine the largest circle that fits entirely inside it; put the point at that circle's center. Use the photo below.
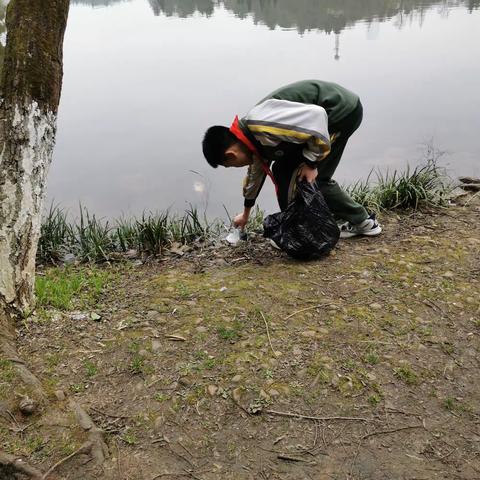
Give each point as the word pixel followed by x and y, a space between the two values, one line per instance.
pixel 306 230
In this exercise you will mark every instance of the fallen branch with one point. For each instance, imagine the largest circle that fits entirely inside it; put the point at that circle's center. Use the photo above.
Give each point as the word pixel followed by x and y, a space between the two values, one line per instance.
pixel 268 333
pixel 393 430
pixel 20 466
pixel 324 419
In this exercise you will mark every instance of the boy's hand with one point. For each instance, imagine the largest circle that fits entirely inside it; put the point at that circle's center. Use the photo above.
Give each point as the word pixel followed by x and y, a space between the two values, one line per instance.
pixel 307 173
pixel 241 220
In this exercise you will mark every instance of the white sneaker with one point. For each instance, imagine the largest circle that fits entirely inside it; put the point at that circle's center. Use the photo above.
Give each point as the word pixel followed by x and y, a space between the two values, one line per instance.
pixel 274 245
pixel 368 227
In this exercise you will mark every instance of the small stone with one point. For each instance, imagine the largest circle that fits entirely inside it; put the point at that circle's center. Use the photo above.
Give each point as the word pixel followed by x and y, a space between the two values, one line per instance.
pixel 95 317
pixel 156 345
pixel 236 378
pixel 132 253
pixel 273 393
pixel 78 316
pixel 448 274
pixel 202 329
pixel 309 333
pixel 264 395
pixel 185 381
pixel 69 258
pixel 375 306
pixel 212 390
pixel 470 300
pixel 27 406
pixel 237 394
pixel 60 394
pixel 143 353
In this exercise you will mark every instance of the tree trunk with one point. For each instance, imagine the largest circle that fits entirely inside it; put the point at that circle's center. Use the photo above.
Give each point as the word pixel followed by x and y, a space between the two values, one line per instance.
pixel 30 92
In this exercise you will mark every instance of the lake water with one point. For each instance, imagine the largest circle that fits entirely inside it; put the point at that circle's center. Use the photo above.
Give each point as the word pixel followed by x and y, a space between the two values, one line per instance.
pixel 144 79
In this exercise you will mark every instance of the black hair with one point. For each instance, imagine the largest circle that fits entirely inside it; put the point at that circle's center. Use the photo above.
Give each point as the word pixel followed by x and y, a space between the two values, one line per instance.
pixel 216 140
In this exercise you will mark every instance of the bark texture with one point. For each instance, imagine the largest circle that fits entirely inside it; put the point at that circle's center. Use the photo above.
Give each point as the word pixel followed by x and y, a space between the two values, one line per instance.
pixel 30 92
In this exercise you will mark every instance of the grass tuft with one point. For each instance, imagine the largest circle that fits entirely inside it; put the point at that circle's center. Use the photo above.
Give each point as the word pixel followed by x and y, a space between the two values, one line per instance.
pixel 56 235
pixel 423 187
pixel 93 240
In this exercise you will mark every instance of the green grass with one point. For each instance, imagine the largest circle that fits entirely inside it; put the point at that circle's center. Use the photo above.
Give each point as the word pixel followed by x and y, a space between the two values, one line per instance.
pixel 69 287
pixel 425 186
pixel 7 372
pixel 90 368
pixel 407 375
pixel 230 333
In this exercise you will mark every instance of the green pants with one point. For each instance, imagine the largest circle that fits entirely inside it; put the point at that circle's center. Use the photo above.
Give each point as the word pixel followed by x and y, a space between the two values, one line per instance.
pixel 340 203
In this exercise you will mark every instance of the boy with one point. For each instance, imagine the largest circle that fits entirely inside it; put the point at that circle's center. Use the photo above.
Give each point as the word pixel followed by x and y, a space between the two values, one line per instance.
pixel 301 130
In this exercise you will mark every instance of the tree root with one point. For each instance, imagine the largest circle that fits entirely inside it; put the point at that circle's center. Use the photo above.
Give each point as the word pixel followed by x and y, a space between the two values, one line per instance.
pixel 95 445
pixel 98 449
pixel 12 464
pixel 85 448
pixel 8 351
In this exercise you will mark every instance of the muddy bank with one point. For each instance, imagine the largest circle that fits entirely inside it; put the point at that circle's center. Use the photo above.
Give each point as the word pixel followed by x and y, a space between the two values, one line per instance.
pixel 243 364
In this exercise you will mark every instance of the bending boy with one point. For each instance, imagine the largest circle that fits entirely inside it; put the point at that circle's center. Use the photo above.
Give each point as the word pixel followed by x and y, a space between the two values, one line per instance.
pixel 301 131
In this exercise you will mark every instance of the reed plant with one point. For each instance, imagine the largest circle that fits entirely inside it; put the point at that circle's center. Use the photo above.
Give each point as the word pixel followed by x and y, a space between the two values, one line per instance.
pixel 56 235
pixel 153 232
pixel 126 234
pixel 425 186
pixel 93 240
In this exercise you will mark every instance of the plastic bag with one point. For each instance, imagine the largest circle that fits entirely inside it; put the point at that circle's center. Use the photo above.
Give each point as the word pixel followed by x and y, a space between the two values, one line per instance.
pixel 306 229
pixel 235 236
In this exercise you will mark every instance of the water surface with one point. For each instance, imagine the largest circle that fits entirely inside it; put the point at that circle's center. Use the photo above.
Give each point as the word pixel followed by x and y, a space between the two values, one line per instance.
pixel 144 79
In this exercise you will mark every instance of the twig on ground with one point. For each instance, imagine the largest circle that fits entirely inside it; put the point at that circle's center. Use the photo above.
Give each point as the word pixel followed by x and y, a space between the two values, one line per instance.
pixel 109 414
pixel 171 474
pixel 85 448
pixel 403 412
pixel 443 457
pixel 393 430
pixel 323 419
pixel 306 309
pixel 268 333
pixel 289 458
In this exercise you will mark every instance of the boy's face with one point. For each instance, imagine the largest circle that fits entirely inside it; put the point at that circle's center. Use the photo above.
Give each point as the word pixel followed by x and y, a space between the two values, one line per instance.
pixel 237 156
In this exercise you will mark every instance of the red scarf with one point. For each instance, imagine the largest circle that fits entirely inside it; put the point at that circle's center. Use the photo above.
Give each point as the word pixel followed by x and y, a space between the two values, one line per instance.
pixel 237 131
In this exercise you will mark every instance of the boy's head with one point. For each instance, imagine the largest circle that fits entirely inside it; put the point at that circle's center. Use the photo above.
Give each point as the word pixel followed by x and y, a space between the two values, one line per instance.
pixel 222 147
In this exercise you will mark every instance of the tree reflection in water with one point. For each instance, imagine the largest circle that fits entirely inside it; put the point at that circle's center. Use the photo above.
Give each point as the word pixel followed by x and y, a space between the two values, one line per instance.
pixel 303 15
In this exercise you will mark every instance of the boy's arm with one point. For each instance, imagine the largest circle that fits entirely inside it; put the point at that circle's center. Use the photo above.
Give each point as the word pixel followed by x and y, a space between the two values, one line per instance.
pixel 253 182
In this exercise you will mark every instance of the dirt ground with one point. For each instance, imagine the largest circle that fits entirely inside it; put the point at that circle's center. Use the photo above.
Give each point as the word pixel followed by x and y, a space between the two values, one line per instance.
pixel 207 366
